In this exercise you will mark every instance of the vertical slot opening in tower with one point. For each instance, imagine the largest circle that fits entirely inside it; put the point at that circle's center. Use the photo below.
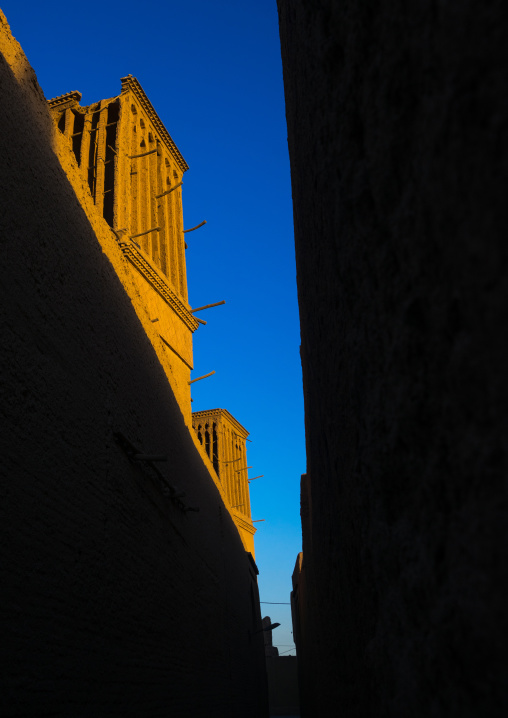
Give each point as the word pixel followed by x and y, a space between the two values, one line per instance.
pixel 109 165
pixel 77 134
pixel 92 155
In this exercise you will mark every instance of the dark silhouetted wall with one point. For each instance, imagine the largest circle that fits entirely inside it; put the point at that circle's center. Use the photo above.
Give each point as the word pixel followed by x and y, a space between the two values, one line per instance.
pixel 397 122
pixel 114 601
pixel 282 685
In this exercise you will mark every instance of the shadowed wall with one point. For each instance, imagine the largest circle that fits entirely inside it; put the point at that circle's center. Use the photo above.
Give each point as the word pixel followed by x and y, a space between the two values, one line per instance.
pixel 397 123
pixel 114 600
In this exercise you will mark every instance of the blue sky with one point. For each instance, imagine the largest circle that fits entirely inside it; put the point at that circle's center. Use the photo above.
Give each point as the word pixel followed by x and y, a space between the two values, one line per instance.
pixel 213 73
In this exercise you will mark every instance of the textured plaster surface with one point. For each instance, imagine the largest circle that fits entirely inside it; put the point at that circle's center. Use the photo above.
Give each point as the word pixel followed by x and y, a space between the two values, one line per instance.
pixel 168 332
pixel 230 451
pixel 114 601
pixel 397 121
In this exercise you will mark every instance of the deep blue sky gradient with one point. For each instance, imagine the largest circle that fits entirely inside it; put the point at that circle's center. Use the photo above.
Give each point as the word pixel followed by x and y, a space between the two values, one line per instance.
pixel 213 72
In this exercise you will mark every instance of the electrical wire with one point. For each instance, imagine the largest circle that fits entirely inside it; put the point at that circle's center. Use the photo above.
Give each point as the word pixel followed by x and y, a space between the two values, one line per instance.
pixel 276 603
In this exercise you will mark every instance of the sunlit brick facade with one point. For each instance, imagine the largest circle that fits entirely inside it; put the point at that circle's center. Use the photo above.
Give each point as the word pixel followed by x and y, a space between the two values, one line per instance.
pixel 224 440
pixel 132 169
pixel 134 172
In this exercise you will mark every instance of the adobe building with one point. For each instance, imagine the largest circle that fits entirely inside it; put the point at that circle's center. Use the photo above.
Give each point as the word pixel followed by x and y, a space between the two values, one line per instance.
pixel 224 440
pixel 126 589
pixel 271 651
pixel 134 172
pixel 397 118
pixel 298 600
pixel 282 673
pixel 283 695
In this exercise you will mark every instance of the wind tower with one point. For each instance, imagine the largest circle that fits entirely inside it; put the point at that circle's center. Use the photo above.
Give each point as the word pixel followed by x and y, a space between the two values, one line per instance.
pixel 128 163
pixel 224 440
pixel 134 172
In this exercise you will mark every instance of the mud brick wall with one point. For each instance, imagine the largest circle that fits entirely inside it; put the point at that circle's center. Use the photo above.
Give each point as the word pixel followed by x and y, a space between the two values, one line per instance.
pixel 113 601
pixel 397 121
